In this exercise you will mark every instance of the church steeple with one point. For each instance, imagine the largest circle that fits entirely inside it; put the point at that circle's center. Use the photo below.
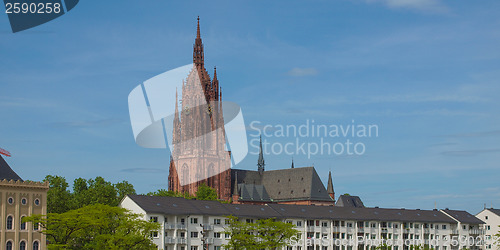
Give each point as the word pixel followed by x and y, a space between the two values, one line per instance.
pixel 329 188
pixel 215 84
pixel 198 57
pixel 260 162
pixel 176 133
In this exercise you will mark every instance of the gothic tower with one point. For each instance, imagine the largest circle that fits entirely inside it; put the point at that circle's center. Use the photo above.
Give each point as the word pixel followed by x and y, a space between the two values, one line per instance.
pixel 198 138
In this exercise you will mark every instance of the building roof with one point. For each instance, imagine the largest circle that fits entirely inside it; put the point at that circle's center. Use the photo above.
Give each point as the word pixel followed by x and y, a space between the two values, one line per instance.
pixel 463 216
pixel 181 206
pixel 165 205
pixel 281 185
pixel 6 172
pixel 495 211
pixel 349 201
pixel 252 211
pixel 253 192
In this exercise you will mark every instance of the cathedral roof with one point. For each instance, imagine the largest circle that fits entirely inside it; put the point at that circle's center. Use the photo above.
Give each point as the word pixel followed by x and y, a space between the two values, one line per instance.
pixel 253 192
pixel 281 185
pixel 349 201
pixel 6 172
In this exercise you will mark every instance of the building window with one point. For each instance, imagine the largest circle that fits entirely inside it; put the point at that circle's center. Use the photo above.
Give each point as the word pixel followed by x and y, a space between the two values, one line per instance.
pixel 194 248
pixel 249 220
pixel 227 236
pixel 194 234
pixel 194 220
pixel 10 200
pixel 9 222
pixel 443 226
pixel 217 235
pixel 154 234
pixel 217 221
pixel 226 221
pixel 153 218
pixel 324 224
pixel 37 202
pixel 8 246
pixel 485 217
pixel 35 245
pixel 23 224
pixel 24 201
pixel 35 226
pixel 299 223
pixel 22 245
pixel 464 227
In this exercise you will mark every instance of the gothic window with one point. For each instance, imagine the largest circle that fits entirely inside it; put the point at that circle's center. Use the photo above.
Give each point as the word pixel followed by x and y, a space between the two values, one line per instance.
pixel 210 175
pixel 185 174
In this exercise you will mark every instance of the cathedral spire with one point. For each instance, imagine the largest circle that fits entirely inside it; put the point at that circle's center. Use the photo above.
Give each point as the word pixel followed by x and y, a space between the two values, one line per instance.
pixel 198 48
pixel 329 188
pixel 215 84
pixel 260 162
pixel 176 133
pixel 198 29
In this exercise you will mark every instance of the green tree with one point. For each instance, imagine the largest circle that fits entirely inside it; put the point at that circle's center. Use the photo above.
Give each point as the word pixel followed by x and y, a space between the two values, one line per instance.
pixel 58 194
pixel 85 192
pixel 205 192
pixel 123 188
pixel 263 234
pixel 96 227
pixel 170 193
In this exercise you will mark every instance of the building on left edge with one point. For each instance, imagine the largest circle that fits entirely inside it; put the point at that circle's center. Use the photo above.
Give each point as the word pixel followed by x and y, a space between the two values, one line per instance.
pixel 19 198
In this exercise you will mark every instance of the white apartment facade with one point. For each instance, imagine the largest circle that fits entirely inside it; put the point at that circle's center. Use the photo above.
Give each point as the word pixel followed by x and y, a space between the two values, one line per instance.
pixel 197 225
pixel 491 217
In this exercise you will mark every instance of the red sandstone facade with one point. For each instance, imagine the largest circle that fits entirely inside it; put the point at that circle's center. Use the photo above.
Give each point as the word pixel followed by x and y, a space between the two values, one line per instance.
pixel 199 154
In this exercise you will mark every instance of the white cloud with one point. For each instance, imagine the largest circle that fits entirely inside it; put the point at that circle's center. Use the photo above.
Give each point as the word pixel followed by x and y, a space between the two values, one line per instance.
pixel 423 5
pixel 303 72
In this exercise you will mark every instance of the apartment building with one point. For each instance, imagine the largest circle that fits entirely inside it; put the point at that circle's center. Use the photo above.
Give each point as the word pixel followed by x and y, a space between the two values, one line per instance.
pixel 197 225
pixel 491 217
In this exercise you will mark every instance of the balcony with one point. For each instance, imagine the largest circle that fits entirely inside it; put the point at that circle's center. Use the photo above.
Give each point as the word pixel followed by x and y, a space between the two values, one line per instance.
pixel 170 226
pixel 207 227
pixel 174 240
pixel 209 241
pixel 476 231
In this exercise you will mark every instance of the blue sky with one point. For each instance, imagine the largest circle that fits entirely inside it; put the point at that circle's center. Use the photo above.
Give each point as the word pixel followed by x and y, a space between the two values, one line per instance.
pixel 425 71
